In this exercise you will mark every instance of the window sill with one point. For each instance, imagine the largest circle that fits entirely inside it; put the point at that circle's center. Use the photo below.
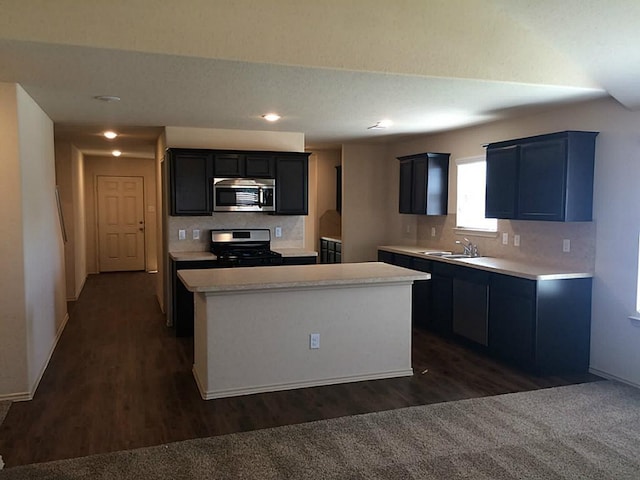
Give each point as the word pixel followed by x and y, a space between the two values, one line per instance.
pixel 474 232
pixel 635 320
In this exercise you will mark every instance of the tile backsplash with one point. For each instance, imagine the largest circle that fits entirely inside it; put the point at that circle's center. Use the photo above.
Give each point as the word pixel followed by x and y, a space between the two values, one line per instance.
pixel 292 229
pixel 540 242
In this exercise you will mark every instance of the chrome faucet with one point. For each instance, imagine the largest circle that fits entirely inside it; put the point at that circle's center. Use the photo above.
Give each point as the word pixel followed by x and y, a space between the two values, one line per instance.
pixel 468 248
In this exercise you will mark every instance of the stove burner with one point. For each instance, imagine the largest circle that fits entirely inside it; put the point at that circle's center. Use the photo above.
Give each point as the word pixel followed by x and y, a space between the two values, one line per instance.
pixel 243 248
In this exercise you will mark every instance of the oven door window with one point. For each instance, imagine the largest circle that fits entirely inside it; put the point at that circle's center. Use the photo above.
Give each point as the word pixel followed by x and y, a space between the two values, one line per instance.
pixel 244 197
pixel 237 197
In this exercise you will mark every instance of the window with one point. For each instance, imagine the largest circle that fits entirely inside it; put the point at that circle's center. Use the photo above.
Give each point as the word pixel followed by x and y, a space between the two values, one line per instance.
pixel 471 195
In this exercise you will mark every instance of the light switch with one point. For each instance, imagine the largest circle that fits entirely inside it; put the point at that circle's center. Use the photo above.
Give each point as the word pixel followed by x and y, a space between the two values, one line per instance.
pixel 433 231
pixel 566 245
pixel 182 234
pixel 516 240
pixel 196 234
pixel 505 238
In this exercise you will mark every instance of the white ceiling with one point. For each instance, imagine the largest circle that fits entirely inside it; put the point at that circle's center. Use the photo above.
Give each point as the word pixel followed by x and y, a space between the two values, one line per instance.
pixel 472 61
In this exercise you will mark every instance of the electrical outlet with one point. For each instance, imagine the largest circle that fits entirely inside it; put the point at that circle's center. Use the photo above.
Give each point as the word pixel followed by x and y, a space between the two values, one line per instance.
pixel 566 245
pixel 505 238
pixel 196 234
pixel 516 240
pixel 433 231
pixel 314 341
pixel 182 234
pixel 278 232
pixel 407 229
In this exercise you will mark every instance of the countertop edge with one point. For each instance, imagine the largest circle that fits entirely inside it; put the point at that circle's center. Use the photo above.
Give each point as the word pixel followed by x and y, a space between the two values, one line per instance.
pixel 401 276
pixel 414 251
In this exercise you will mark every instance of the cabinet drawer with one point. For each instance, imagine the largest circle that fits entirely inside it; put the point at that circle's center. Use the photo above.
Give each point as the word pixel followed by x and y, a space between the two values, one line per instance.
pixel 513 285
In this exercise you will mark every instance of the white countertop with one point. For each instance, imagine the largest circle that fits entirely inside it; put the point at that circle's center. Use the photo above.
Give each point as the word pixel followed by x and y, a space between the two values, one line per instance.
pixel 192 256
pixel 295 252
pixel 497 265
pixel 295 276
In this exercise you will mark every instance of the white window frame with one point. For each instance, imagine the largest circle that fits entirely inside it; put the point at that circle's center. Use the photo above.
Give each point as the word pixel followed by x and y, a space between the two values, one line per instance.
pixel 471 230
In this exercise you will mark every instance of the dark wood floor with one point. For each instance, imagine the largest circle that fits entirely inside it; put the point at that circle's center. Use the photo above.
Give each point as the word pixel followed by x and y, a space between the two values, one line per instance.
pixel 119 379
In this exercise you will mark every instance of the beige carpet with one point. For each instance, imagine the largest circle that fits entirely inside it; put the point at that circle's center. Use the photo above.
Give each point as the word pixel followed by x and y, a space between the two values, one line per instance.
pixel 587 431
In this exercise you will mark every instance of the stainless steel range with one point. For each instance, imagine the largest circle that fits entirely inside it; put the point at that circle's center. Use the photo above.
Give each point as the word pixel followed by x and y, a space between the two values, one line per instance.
pixel 243 248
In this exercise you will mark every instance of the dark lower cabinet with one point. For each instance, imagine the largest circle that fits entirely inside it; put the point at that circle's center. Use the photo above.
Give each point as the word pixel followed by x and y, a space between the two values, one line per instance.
pixel 512 308
pixel 306 260
pixel 330 251
pixel 542 326
pixel 182 311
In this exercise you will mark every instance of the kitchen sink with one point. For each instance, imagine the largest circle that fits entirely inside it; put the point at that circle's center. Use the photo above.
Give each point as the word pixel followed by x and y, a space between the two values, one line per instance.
pixel 449 255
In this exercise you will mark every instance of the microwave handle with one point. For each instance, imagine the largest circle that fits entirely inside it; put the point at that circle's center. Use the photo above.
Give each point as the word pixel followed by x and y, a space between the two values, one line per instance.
pixel 260 196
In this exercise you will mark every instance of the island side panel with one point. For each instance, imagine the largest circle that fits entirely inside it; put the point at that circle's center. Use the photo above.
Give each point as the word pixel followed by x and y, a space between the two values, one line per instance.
pixel 259 341
pixel 200 335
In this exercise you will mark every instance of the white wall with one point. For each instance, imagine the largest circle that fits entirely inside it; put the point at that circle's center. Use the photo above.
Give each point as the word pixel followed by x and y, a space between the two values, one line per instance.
pixel 70 181
pixel 32 285
pixel 13 327
pixel 45 294
pixel 615 342
pixel 365 201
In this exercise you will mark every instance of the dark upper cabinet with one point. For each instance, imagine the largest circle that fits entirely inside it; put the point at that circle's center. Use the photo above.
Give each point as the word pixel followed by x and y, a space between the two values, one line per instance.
pixel 190 180
pixel 424 182
pixel 191 173
pixel 547 177
pixel 259 166
pixel 292 184
pixel 252 165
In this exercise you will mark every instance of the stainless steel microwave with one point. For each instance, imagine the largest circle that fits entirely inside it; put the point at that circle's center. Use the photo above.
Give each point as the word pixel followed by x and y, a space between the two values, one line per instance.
pixel 244 195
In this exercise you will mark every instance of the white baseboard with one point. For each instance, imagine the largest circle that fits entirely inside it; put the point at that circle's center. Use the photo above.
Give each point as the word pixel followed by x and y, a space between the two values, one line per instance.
pixel 234 392
pixel 76 297
pixel 34 387
pixel 16 397
pixel 609 376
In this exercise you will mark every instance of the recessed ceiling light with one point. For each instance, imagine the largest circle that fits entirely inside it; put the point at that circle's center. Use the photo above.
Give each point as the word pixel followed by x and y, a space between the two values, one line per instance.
pixel 110 134
pixel 382 124
pixel 107 98
pixel 116 153
pixel 271 117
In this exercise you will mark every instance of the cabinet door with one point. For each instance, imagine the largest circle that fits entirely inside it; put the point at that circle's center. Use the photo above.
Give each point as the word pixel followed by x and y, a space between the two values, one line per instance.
pixel 419 185
pixel 183 298
pixel 229 165
pixel 512 311
pixel 437 184
pixel 441 302
pixel 542 180
pixel 405 186
pixel 470 290
pixel 259 166
pixel 292 179
pixel 502 181
pixel 324 251
pixel 191 174
pixel 386 257
pixel 421 295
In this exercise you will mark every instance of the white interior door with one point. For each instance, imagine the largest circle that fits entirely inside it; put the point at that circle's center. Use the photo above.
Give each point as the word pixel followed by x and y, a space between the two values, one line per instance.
pixel 120 223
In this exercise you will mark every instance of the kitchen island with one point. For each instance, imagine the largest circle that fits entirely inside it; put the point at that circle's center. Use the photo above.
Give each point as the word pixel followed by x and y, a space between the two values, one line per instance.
pixel 256 328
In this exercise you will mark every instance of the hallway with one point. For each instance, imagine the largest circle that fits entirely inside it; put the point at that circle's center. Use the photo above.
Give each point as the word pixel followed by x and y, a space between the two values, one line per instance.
pixel 119 379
